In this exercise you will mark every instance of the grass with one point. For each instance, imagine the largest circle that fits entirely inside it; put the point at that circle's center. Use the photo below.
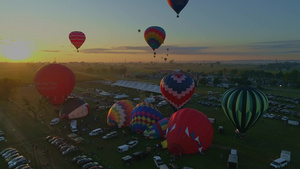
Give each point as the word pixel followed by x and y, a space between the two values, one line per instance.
pixel 263 143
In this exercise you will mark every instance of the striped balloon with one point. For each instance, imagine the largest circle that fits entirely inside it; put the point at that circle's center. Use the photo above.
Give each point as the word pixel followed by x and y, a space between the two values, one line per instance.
pixel 155 36
pixel 143 116
pixel 157 130
pixel 244 106
pixel 177 89
pixel 119 114
pixel 77 38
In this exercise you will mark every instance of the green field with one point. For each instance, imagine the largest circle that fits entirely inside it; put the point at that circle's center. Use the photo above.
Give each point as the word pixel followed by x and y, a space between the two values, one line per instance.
pixel 262 145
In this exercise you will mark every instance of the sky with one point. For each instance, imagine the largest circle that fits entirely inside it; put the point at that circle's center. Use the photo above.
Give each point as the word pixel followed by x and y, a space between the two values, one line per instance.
pixel 206 30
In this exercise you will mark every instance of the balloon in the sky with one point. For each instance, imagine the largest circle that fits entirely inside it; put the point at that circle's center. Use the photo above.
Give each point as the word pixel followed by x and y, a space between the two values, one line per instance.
pixel 177 5
pixel 157 130
pixel 244 106
pixel 119 114
pixel 74 108
pixel 77 38
pixel 177 89
pixel 154 36
pixel 139 30
pixel 189 131
pixel 143 116
pixel 55 82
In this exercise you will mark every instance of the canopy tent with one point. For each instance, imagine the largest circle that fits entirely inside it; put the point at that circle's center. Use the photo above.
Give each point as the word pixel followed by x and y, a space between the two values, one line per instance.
pixel 138 85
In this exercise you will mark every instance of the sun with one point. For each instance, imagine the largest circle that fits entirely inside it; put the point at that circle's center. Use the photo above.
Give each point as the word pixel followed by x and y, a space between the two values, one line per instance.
pixel 17 50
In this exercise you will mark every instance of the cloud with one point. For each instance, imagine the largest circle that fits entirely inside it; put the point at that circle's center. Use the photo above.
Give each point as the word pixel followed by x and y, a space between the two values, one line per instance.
pixel 144 49
pixel 275 45
pixel 50 50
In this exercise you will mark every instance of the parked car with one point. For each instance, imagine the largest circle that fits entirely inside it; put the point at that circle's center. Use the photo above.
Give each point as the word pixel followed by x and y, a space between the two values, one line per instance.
pixel 16 159
pixel 96 132
pixel 84 161
pixel 17 163
pixel 22 166
pixel 9 152
pixel 2 138
pixel 97 167
pixel 139 155
pixel 132 143
pixel 284 118
pixel 70 150
pixel 89 165
pixel 75 159
pixel 56 140
pixel 110 135
pixel 64 148
pixel 158 161
pixel 174 166
pixel 12 157
pixel 5 150
pixel 54 121
pixel 279 163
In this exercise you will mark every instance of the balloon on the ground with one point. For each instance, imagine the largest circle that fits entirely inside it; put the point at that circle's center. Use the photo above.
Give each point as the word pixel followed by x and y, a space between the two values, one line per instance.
pixel 143 116
pixel 55 82
pixel 77 38
pixel 244 106
pixel 155 36
pixel 119 114
pixel 157 130
pixel 74 108
pixel 177 5
pixel 177 89
pixel 189 131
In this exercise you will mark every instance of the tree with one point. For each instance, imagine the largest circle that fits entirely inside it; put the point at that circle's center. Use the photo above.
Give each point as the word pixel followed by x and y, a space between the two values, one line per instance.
pixel 41 106
pixel 7 88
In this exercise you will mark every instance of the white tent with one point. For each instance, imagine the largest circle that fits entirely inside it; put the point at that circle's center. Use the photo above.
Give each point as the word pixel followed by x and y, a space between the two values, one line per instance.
pixel 138 85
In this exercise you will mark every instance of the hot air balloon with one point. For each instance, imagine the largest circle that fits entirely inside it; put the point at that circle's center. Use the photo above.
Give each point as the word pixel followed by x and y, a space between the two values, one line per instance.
pixel 139 30
pixel 177 5
pixel 177 89
pixel 55 82
pixel 119 114
pixel 244 106
pixel 157 130
pixel 189 131
pixel 74 108
pixel 143 116
pixel 77 38
pixel 155 36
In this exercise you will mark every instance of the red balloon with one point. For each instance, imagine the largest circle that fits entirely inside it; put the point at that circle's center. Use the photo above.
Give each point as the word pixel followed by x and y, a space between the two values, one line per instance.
pixel 55 82
pixel 189 131
pixel 77 38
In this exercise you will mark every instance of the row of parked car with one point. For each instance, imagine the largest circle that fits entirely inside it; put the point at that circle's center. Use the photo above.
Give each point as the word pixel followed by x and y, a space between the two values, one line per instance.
pixel 14 159
pixel 66 148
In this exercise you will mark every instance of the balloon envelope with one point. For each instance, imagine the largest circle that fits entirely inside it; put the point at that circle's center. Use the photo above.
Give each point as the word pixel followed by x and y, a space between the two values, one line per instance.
pixel 157 130
pixel 77 38
pixel 143 116
pixel 244 106
pixel 119 114
pixel 177 89
pixel 177 5
pixel 55 82
pixel 154 36
pixel 189 131
pixel 74 108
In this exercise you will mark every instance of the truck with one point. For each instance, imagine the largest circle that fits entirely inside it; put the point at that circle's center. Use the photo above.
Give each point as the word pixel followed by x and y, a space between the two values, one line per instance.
pixel 285 155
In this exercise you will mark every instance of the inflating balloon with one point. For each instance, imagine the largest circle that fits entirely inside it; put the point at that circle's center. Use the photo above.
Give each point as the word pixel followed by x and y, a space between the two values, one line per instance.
pixel 55 82
pixel 177 5
pixel 157 130
pixel 74 108
pixel 119 114
pixel 143 116
pixel 77 38
pixel 155 37
pixel 189 131
pixel 244 106
pixel 177 89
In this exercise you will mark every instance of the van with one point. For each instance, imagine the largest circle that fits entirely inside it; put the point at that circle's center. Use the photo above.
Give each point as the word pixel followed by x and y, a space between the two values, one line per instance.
pixel 96 132
pixel 278 163
pixel 127 159
pixel 123 148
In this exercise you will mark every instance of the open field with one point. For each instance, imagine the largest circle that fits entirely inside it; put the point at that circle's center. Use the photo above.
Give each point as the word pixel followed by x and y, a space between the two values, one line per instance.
pixel 262 145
